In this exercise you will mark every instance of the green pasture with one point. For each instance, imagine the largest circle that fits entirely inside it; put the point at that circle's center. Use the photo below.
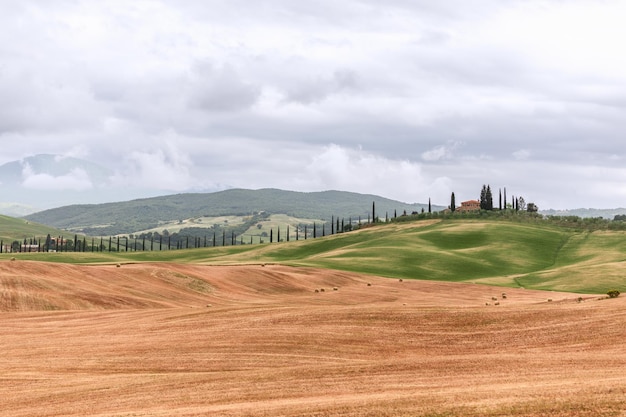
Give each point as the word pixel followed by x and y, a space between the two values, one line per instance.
pixel 19 229
pixel 511 254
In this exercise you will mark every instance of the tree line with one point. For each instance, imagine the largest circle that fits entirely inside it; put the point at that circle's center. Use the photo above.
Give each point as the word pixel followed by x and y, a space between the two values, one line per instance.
pixel 222 236
pixel 486 201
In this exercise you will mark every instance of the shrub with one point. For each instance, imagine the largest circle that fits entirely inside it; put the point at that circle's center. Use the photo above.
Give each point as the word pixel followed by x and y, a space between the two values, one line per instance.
pixel 612 293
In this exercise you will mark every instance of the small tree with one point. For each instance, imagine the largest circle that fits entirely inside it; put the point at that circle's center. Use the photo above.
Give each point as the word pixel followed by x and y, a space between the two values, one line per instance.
pixel 613 293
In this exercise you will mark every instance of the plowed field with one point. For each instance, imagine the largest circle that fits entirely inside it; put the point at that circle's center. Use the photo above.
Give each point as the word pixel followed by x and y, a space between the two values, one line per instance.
pixel 188 340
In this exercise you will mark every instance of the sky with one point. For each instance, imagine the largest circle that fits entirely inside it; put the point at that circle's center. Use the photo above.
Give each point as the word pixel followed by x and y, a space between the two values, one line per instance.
pixel 406 99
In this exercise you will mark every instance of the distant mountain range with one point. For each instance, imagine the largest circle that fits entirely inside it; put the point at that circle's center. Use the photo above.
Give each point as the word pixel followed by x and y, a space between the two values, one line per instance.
pixel 142 214
pixel 45 181
pixel 586 212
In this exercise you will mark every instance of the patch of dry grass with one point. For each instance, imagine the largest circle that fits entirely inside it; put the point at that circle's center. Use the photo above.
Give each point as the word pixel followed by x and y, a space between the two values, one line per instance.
pixel 270 346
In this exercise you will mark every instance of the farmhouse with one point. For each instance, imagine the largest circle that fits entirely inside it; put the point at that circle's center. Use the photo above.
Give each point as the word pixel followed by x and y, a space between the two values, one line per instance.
pixel 470 205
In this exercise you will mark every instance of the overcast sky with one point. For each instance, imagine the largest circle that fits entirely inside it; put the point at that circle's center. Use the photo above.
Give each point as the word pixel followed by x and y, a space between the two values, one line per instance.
pixel 407 99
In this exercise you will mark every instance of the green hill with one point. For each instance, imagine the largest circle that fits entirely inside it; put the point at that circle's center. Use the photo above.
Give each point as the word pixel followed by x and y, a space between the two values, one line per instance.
pixel 152 213
pixel 12 229
pixel 495 252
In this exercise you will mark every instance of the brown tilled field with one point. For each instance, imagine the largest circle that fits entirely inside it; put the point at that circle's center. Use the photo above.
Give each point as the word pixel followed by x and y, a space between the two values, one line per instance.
pixel 185 340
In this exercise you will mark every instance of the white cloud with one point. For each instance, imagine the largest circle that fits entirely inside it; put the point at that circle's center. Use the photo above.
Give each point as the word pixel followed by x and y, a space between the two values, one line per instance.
pixel 166 167
pixel 76 180
pixel 440 152
pixel 425 87
pixel 340 168
pixel 521 154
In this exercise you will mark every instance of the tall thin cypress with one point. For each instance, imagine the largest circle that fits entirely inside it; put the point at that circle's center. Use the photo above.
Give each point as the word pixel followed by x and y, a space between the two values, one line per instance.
pixel 452 203
pixel 430 209
pixel 373 212
pixel 332 225
pixel 314 231
pixel 271 235
pixel 504 198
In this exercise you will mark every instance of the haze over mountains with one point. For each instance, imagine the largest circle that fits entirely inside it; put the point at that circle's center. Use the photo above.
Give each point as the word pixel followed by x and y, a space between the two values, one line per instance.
pixel 41 182
pixel 47 181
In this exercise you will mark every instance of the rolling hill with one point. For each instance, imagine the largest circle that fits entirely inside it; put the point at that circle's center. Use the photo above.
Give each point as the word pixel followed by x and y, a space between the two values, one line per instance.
pixel 144 214
pixel 522 255
pixel 12 228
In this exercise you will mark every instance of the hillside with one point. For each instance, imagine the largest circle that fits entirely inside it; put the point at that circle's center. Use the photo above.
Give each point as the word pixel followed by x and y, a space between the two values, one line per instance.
pixel 190 340
pixel 496 252
pixel 12 229
pixel 144 214
pixel 318 328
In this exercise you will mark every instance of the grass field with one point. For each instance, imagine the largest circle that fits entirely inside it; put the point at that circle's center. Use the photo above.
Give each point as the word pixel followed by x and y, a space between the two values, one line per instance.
pixel 318 327
pixel 17 229
pixel 490 252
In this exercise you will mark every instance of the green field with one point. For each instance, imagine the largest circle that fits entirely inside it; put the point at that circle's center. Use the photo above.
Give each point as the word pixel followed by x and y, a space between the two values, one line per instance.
pixel 18 229
pixel 534 256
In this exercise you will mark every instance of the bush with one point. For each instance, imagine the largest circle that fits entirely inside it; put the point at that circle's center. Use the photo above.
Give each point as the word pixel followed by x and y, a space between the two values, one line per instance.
pixel 612 293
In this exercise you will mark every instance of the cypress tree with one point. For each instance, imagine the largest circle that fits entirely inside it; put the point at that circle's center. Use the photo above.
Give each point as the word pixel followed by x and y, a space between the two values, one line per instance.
pixel 500 199
pixel 430 209
pixel 504 198
pixel 314 231
pixel 374 212
pixel 452 203
pixel 483 198
pixel 489 198
pixel 271 235
pixel 287 233
pixel 332 225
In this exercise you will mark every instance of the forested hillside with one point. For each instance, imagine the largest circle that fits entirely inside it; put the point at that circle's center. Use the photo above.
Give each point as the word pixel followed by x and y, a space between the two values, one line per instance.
pixel 136 215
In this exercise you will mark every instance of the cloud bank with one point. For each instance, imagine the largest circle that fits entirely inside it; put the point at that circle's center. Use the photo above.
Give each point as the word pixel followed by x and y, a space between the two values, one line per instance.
pixel 408 100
